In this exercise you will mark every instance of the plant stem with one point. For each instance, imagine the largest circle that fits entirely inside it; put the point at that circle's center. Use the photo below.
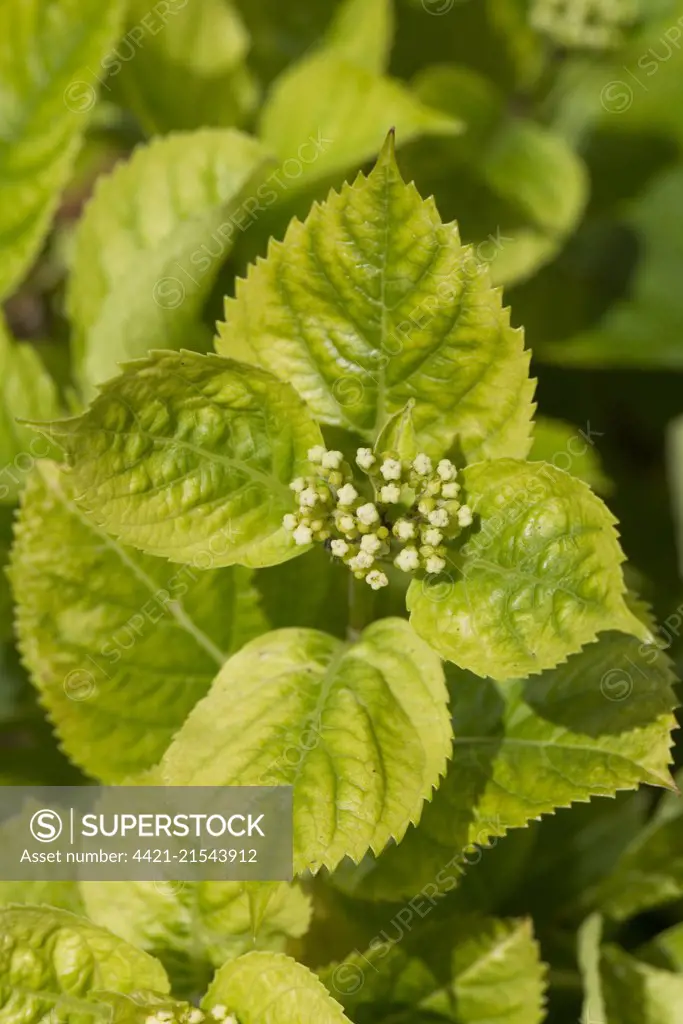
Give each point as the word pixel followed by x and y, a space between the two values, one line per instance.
pixel 361 608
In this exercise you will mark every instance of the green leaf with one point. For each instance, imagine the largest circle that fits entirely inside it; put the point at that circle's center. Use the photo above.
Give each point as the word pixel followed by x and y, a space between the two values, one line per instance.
pixel 208 922
pixel 531 187
pixel 674 447
pixel 539 578
pixel 361 34
pixel 650 871
pixel 398 435
pixel 373 302
pixel 310 591
pixel 346 109
pixel 597 724
pixel 188 66
pixel 190 457
pixel 26 391
pixel 51 959
pixel 269 988
pixel 642 329
pixel 151 242
pixel 569 448
pixel 104 629
pixel 47 51
pixel 281 33
pixel 360 732
pixel 635 993
pixel 493 971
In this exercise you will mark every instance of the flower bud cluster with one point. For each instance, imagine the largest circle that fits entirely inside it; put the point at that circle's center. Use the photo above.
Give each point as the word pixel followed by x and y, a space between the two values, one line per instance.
pixel 416 509
pixel 216 1015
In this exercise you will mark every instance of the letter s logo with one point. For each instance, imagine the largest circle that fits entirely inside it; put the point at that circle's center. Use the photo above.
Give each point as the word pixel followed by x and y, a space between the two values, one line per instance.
pixel 46 826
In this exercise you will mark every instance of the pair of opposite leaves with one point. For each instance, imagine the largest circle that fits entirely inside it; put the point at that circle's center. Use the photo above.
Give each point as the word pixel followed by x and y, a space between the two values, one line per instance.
pixel 370 304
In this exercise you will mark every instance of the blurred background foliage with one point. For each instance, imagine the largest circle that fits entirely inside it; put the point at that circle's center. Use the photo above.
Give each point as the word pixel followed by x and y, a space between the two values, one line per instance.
pixel 552 131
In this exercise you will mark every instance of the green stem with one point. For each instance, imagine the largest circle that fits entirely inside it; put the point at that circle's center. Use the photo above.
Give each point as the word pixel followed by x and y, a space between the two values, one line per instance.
pixel 361 608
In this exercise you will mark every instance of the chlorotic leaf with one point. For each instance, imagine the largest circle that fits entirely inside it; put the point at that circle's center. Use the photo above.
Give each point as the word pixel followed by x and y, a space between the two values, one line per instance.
pixel 650 871
pixel 398 435
pixel 6 520
pixel 666 949
pixel 360 732
pixel 188 68
pixel 373 302
pixel 496 973
pixel 53 960
pixel 571 449
pixel 26 391
pixel 151 243
pixel 47 51
pixel 361 33
pixel 206 921
pixel 104 629
pixel 539 578
pixel 140 1006
pixel 330 98
pixel 269 988
pixel 599 723
pixel 190 457
pixel 63 895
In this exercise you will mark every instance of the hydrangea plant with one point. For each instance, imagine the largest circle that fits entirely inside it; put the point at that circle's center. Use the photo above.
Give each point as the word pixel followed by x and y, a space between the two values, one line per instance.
pixel 329 549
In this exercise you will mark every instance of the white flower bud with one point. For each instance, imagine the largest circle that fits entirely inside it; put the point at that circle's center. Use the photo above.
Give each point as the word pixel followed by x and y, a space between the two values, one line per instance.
pixel 438 517
pixel 390 494
pixel 363 560
pixel 407 560
pixel 346 524
pixel 332 460
pixel 370 543
pixel 435 564
pixel 289 522
pixel 347 494
pixel 377 579
pixel 219 1012
pixel 308 498
pixel 465 516
pixel 404 529
pixel 446 470
pixel 391 469
pixel 450 490
pixel 298 484
pixel 422 464
pixel 303 535
pixel 317 453
pixel 364 458
pixel 432 536
pixel 339 548
pixel 367 514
